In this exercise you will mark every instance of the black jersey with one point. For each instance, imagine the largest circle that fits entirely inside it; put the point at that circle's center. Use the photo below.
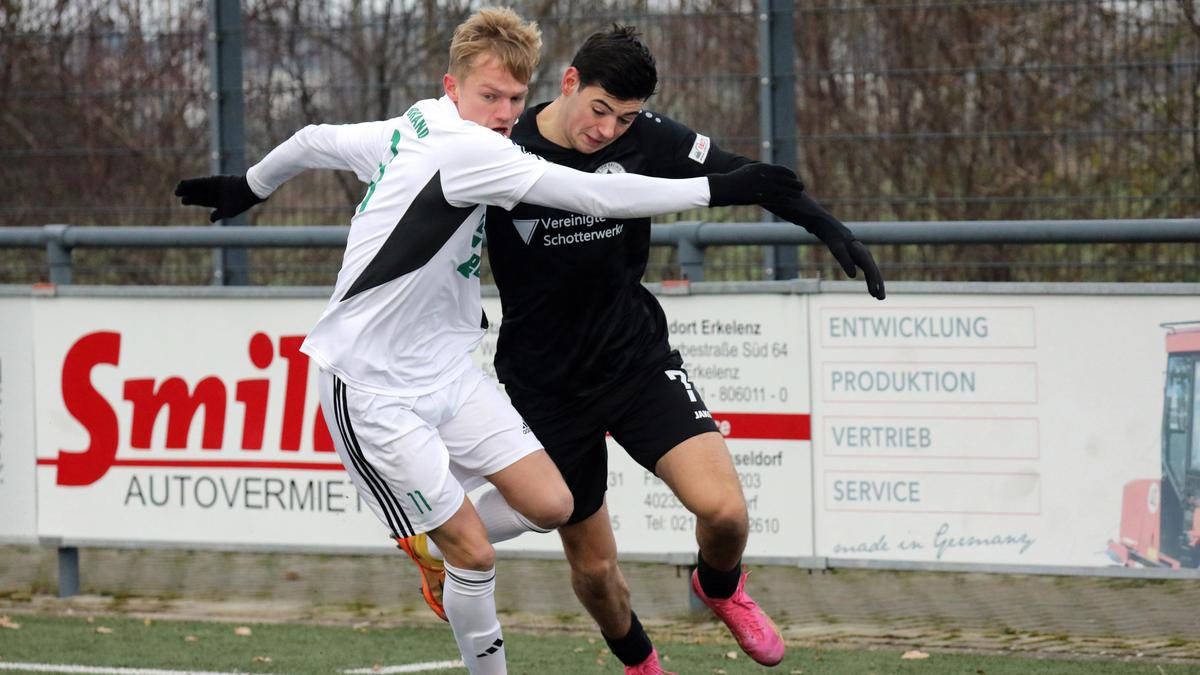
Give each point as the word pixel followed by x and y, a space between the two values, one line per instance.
pixel 576 316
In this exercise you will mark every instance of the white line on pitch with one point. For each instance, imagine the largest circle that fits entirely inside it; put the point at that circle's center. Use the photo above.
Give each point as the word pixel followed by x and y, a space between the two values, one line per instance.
pixel 409 668
pixel 97 670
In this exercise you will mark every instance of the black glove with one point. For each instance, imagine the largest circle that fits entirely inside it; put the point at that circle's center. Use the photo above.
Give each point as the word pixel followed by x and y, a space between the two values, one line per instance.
pixel 226 195
pixel 850 253
pixel 754 183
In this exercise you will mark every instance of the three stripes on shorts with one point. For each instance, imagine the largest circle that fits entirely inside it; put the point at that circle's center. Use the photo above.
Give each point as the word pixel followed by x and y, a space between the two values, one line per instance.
pixel 388 502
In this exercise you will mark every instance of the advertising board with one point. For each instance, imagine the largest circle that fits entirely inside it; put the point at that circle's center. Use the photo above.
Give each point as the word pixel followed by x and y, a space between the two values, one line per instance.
pixel 192 421
pixel 1029 429
pixel 985 429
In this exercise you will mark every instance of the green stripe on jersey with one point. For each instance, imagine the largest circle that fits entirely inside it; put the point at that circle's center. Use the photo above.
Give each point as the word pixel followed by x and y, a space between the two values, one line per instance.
pixel 382 168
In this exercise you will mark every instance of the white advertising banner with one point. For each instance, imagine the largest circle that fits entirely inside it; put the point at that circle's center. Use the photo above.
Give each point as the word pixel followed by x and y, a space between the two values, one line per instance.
pixel 747 358
pixel 988 429
pixel 1029 429
pixel 195 421
pixel 187 420
pixel 18 515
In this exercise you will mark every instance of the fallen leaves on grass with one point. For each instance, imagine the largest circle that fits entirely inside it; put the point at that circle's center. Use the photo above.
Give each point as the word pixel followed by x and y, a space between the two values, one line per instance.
pixel 243 631
pixel 190 638
pixel 261 659
pixel 914 654
pixel 730 655
pixel 7 622
pixel 103 630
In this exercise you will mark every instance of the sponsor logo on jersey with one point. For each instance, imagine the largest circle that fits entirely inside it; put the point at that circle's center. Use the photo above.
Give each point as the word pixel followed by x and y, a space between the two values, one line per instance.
pixel 610 167
pixel 701 414
pixel 566 238
pixel 527 227
pixel 700 148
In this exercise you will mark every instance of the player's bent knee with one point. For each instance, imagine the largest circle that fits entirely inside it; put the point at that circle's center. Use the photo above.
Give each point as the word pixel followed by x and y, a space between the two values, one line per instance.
pixel 480 557
pixel 554 510
pixel 564 506
pixel 726 517
pixel 471 554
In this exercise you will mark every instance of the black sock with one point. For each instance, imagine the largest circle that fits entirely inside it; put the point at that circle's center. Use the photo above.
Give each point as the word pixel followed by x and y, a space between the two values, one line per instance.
pixel 634 647
pixel 717 584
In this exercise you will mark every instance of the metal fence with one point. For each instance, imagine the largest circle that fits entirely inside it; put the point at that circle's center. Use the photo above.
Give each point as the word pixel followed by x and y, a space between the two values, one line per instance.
pixel 921 110
pixel 1094 259
pixel 68 250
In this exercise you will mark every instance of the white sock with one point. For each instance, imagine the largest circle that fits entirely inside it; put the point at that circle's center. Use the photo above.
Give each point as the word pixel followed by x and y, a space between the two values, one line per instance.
pixel 501 520
pixel 470 602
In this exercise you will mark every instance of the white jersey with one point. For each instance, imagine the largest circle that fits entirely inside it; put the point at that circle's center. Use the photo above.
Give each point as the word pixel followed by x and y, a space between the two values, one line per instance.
pixel 405 311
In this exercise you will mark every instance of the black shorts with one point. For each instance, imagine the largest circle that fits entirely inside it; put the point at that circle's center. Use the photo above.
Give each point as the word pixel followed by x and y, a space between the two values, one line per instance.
pixel 647 414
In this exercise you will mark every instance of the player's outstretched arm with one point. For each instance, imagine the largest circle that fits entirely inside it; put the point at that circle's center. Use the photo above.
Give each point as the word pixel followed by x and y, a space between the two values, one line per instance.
pixel 352 147
pixel 850 253
pixel 800 209
pixel 634 196
pixel 755 183
pixel 227 196
pixel 675 151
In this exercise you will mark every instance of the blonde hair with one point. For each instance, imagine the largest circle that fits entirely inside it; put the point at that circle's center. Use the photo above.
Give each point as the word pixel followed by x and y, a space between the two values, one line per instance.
pixel 499 30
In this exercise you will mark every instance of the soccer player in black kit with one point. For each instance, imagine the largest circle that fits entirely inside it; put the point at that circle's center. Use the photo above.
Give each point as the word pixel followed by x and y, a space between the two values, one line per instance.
pixel 583 346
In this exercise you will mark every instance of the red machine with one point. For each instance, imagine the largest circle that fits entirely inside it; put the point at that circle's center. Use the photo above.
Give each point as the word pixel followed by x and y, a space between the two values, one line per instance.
pixel 1160 519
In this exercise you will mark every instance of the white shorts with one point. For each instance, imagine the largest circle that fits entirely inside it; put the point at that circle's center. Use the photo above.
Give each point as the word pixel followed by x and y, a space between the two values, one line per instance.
pixel 413 458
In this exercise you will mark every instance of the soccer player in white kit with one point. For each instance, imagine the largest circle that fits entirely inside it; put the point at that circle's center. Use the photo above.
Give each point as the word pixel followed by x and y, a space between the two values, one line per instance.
pixel 414 421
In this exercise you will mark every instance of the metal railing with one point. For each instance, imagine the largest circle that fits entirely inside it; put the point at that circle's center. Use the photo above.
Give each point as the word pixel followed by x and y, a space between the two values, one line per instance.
pixel 690 239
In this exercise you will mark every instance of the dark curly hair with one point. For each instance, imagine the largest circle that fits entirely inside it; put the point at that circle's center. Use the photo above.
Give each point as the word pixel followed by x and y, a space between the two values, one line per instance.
pixel 619 62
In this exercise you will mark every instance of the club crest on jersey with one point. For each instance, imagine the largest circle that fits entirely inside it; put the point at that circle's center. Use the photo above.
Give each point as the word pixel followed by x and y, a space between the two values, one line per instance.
pixel 610 167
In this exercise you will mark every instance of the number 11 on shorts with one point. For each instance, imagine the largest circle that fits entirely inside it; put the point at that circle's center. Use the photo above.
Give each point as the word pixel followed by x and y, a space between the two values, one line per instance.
pixel 422 506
